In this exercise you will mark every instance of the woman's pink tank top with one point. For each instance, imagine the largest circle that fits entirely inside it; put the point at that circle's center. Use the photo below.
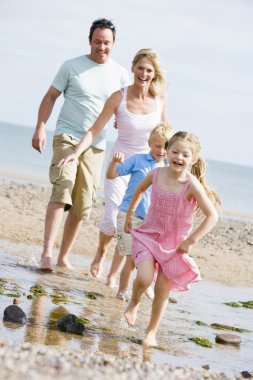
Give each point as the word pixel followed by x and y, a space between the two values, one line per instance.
pixel 134 130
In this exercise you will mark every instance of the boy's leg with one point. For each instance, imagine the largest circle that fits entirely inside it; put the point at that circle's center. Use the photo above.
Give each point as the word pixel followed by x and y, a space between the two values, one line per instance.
pixel 144 278
pixel 125 275
pixel 97 263
pixel 159 304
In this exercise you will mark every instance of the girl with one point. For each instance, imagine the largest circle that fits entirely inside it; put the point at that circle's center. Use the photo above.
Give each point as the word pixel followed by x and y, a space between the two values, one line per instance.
pixel 164 239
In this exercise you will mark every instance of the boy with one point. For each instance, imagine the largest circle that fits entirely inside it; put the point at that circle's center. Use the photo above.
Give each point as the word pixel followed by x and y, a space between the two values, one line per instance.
pixel 138 167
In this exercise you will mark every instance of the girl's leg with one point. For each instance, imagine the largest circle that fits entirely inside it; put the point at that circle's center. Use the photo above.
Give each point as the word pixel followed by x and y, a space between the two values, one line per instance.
pixel 144 278
pixel 116 266
pixel 159 304
pixel 125 276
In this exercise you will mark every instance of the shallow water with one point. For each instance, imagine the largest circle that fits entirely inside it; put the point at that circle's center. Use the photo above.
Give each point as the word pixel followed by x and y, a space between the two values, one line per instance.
pixel 67 292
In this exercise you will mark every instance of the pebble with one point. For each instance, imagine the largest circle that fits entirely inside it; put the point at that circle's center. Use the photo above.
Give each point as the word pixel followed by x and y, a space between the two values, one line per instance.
pixel 25 360
pixel 228 339
pixel 14 313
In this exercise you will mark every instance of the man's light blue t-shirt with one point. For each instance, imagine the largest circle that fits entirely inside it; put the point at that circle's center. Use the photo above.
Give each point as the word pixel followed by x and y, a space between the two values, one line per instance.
pixel 86 85
pixel 138 165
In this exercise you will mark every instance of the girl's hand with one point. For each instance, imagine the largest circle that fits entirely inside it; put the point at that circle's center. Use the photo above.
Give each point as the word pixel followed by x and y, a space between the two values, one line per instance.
pixel 118 157
pixel 128 225
pixel 184 247
pixel 71 158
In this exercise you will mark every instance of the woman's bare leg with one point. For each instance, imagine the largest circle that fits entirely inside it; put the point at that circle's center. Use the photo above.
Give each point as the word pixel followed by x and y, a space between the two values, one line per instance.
pixel 97 263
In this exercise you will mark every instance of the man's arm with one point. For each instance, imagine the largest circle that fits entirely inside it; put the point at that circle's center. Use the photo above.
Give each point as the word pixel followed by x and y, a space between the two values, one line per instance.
pixel 45 110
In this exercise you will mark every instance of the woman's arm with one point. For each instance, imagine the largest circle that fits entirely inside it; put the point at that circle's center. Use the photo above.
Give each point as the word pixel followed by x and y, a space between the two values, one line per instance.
pixel 210 217
pixel 137 196
pixel 109 109
pixel 164 117
pixel 112 172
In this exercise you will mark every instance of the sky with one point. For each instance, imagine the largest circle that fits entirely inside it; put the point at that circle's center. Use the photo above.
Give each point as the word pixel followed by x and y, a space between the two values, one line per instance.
pixel 205 49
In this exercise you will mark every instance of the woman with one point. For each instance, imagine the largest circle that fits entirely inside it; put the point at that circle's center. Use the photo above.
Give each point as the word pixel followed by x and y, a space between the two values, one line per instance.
pixel 138 108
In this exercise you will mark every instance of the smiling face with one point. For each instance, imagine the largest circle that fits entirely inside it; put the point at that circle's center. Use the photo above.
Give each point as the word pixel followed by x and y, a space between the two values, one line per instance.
pixel 180 156
pixel 101 45
pixel 157 148
pixel 144 72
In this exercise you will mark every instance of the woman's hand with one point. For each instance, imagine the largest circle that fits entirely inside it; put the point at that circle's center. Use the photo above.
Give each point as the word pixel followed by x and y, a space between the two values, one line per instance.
pixel 70 158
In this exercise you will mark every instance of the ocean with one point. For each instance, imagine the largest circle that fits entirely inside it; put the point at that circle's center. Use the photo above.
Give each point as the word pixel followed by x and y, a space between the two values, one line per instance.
pixel 19 161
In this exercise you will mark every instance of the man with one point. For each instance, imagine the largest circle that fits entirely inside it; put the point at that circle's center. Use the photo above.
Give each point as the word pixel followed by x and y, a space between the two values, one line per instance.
pixel 86 81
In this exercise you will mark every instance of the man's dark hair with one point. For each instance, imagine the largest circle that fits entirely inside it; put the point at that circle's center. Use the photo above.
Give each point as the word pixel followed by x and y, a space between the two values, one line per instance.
pixel 102 23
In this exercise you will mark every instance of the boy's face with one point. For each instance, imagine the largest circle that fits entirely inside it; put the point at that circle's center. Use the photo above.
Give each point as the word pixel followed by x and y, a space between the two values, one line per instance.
pixel 157 148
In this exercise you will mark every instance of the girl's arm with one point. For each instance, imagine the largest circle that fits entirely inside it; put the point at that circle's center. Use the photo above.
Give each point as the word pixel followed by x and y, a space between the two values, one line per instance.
pixel 110 107
pixel 137 196
pixel 112 172
pixel 210 219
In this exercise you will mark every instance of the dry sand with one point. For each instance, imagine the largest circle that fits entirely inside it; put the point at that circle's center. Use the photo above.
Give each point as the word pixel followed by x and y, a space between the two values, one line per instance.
pixel 225 255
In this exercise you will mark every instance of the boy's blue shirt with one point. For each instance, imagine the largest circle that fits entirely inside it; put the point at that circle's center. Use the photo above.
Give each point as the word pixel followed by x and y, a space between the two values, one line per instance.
pixel 138 166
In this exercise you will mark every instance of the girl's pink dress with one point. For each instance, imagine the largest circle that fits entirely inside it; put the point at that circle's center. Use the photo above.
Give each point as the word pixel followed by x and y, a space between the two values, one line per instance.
pixel 167 223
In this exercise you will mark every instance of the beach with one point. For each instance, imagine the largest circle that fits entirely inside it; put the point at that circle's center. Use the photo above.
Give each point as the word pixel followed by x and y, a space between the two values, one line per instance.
pixel 224 256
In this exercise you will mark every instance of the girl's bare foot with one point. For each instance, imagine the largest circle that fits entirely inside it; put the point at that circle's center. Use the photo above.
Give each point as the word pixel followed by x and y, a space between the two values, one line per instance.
pixel 150 339
pixel 150 293
pixel 96 265
pixel 46 264
pixel 131 312
pixel 123 296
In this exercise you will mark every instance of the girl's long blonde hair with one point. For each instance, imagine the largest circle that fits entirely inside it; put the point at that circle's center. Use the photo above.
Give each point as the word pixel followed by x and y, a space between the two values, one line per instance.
pixel 198 168
pixel 158 83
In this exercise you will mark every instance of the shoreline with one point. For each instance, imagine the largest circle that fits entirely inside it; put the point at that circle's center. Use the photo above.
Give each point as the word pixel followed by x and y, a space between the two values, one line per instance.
pixel 221 255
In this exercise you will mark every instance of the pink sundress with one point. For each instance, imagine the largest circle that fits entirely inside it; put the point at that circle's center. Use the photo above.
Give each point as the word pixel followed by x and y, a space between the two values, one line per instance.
pixel 167 223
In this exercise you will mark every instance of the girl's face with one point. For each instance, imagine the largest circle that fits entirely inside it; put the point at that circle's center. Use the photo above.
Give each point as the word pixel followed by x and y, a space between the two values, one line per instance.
pixel 144 72
pixel 180 156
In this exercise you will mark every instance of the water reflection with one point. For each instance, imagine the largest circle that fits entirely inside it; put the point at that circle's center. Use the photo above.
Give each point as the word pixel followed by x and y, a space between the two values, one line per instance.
pixel 106 331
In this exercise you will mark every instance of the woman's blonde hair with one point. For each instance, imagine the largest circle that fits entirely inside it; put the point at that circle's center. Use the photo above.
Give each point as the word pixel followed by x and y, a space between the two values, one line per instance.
pixel 198 168
pixel 165 131
pixel 158 83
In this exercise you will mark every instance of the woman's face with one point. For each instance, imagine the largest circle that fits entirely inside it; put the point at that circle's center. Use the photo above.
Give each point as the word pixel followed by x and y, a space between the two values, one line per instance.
pixel 144 72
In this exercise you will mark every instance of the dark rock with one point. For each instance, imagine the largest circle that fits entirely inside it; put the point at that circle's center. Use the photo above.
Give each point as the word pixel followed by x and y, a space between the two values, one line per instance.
pixel 228 339
pixel 69 323
pixel 14 313
pixel 247 375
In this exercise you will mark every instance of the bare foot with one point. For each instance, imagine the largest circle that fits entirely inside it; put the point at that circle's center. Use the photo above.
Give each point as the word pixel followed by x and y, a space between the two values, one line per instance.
pixel 150 293
pixel 150 339
pixel 131 312
pixel 96 265
pixel 46 264
pixel 64 264
pixel 111 282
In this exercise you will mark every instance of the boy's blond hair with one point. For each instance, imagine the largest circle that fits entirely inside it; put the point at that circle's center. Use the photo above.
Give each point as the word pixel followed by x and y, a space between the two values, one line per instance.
pixel 165 131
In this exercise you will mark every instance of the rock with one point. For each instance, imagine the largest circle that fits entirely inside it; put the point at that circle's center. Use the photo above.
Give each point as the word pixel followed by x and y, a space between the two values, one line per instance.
pixel 247 375
pixel 14 313
pixel 69 323
pixel 15 301
pixel 228 339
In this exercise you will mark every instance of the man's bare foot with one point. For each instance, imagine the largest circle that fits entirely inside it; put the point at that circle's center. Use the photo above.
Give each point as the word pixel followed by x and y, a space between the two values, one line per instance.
pixel 131 312
pixel 46 264
pixel 96 265
pixel 150 293
pixel 64 264
pixel 111 281
pixel 150 339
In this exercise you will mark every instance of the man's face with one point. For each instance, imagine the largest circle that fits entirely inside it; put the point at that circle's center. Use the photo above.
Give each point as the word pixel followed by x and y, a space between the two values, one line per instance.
pixel 101 45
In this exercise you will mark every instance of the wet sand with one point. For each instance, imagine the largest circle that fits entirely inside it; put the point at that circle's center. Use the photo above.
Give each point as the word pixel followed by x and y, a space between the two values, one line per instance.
pixel 224 256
